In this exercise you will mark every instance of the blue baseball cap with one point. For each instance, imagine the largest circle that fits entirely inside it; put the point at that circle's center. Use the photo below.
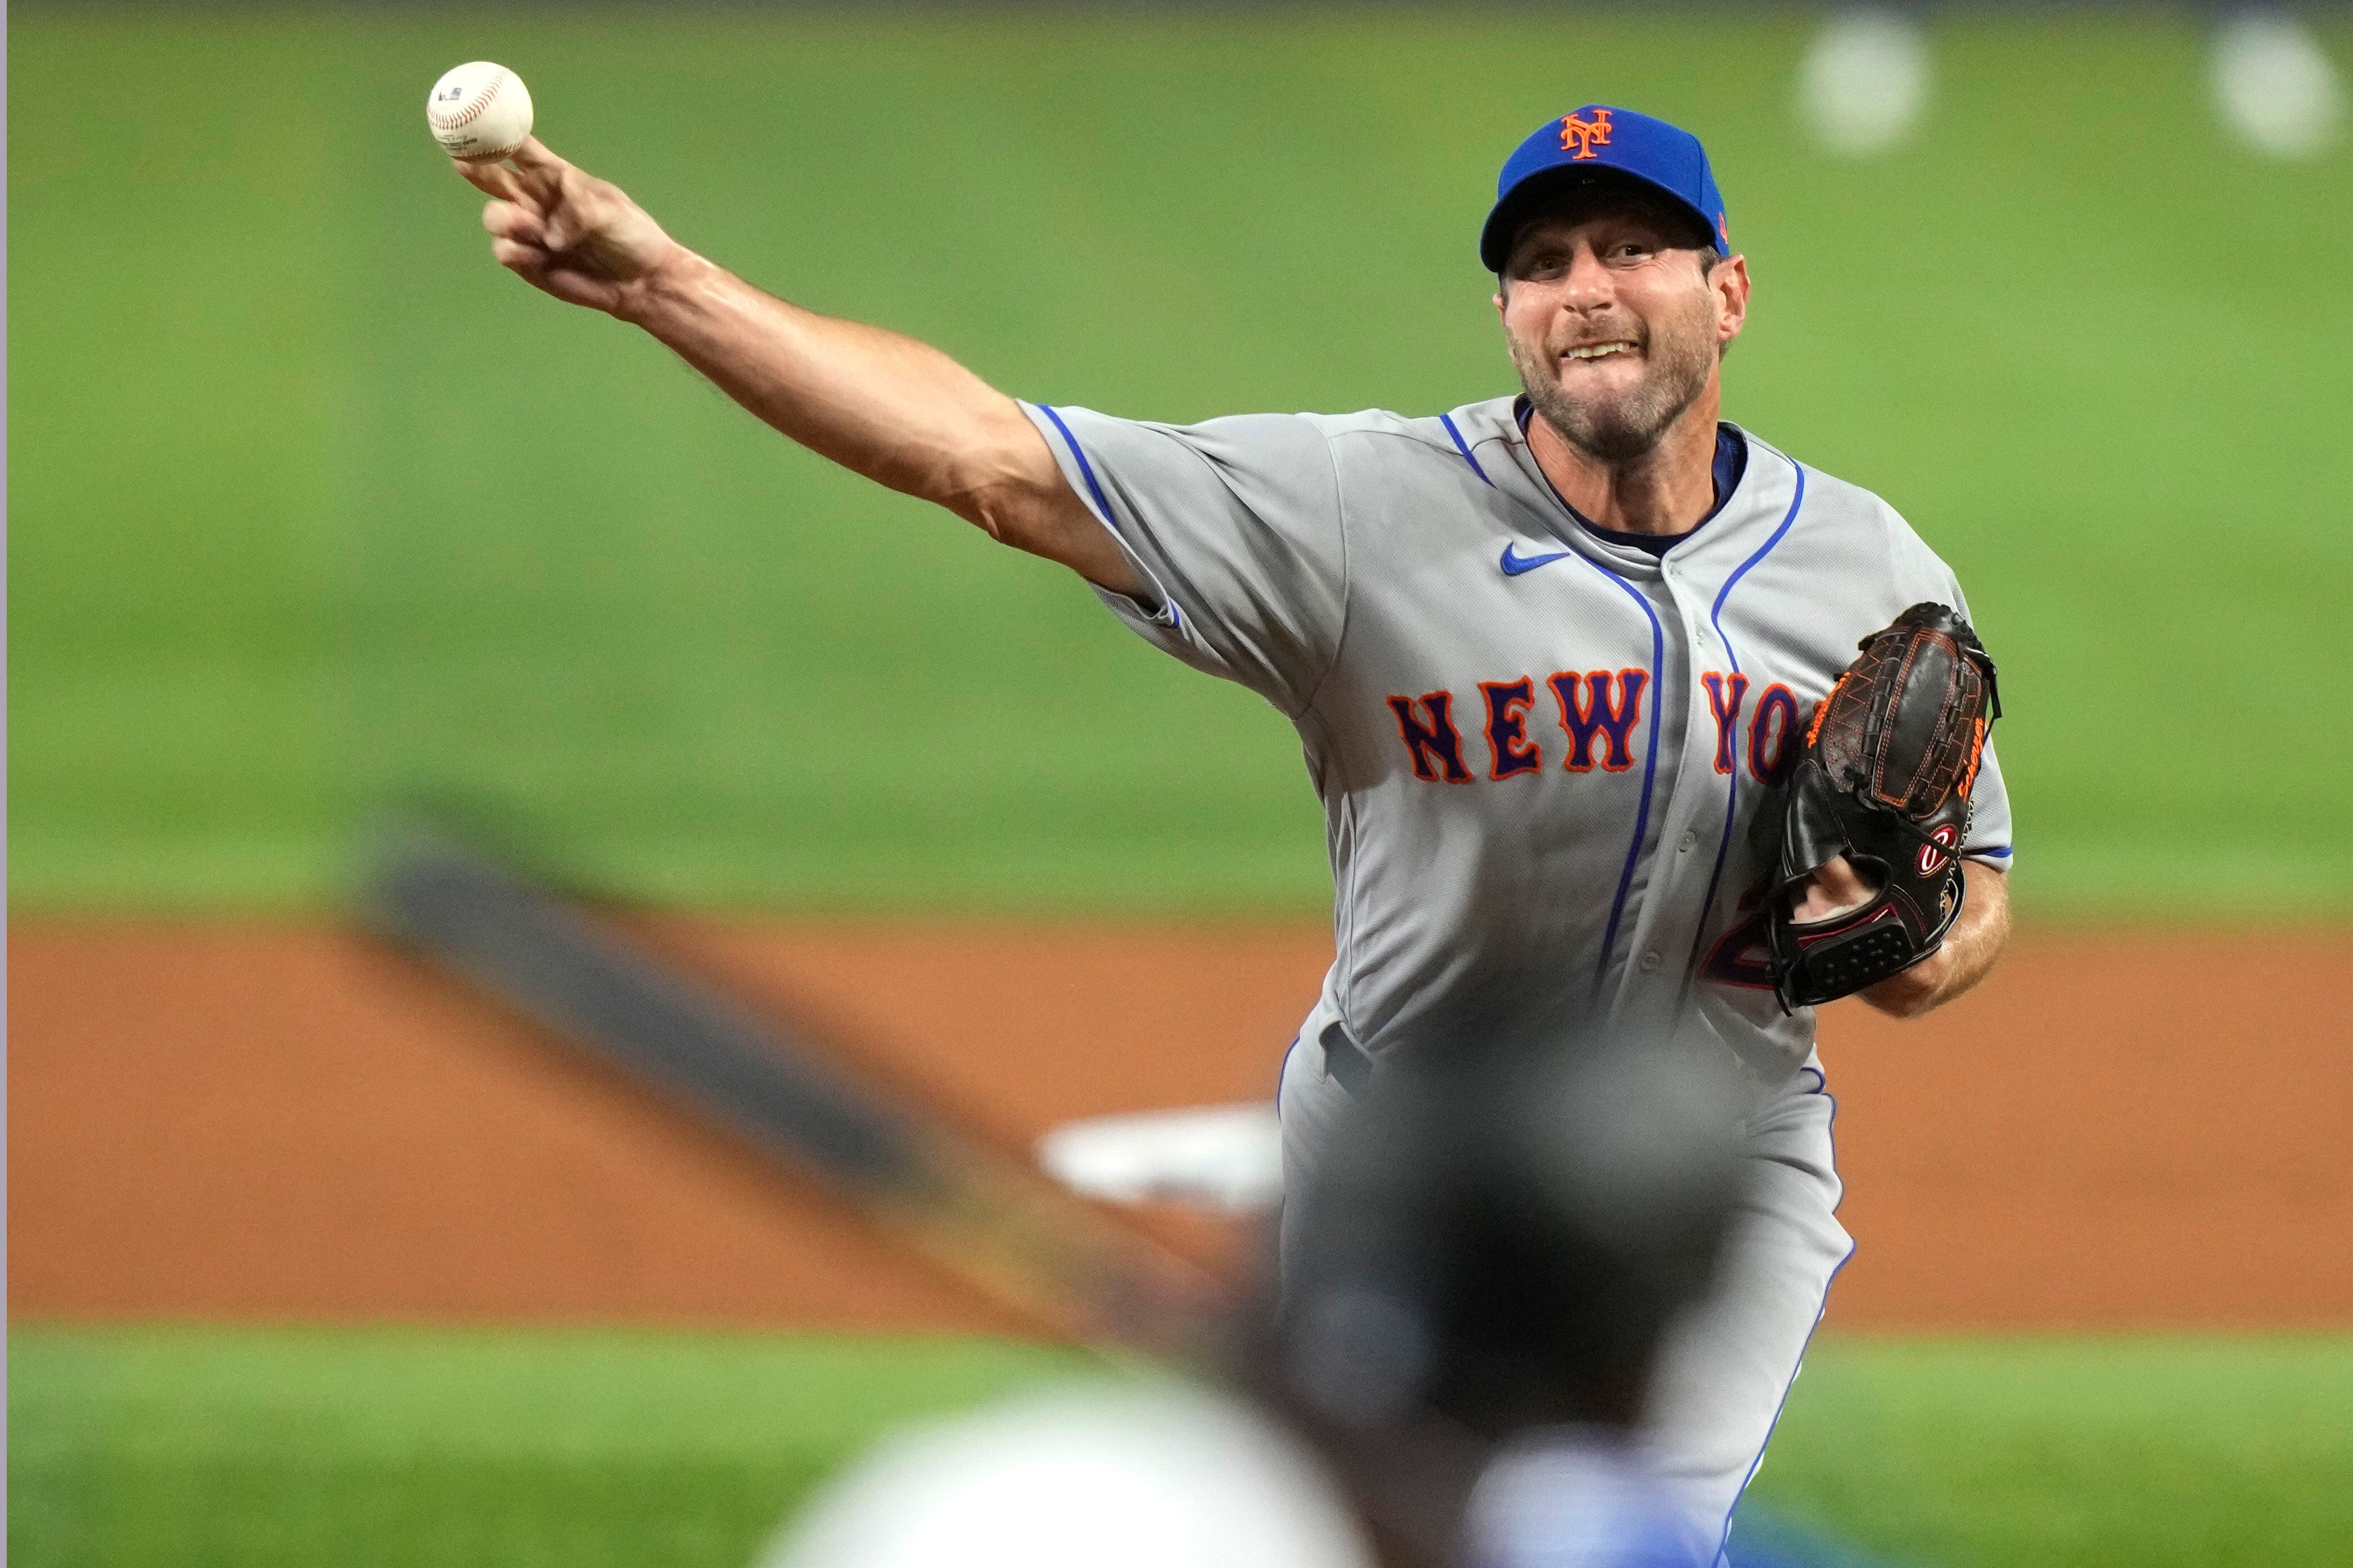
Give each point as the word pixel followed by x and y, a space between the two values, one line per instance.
pixel 1601 142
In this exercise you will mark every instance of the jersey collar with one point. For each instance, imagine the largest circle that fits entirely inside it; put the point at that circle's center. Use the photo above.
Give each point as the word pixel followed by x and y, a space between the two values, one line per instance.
pixel 1734 514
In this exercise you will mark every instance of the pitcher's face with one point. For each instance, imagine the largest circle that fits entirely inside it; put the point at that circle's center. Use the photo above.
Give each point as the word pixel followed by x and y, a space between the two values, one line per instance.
pixel 1615 322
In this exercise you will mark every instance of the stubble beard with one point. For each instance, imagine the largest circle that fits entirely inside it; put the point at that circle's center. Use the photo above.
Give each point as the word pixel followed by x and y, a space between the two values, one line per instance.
pixel 1619 428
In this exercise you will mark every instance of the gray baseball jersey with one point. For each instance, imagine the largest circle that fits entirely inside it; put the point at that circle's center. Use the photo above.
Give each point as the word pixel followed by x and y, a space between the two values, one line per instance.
pixel 1540 753
pixel 1542 756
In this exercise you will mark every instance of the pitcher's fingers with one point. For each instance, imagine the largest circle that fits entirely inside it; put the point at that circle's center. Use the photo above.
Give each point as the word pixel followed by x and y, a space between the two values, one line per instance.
pixel 508 221
pixel 541 170
pixel 513 254
pixel 495 179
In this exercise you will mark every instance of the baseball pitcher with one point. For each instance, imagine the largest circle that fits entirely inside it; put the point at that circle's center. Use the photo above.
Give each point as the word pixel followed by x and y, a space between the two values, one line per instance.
pixel 1562 662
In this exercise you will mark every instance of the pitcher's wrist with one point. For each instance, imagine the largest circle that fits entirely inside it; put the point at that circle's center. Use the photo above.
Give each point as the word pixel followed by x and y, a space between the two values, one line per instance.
pixel 662 288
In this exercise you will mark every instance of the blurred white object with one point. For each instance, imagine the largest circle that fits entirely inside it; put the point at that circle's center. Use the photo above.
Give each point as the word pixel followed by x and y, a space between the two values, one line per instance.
pixel 1865 81
pixel 1577 1498
pixel 1120 1476
pixel 2275 86
pixel 1227 1158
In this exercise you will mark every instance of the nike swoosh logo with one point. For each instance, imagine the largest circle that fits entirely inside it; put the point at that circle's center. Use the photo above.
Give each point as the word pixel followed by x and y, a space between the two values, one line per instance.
pixel 1516 564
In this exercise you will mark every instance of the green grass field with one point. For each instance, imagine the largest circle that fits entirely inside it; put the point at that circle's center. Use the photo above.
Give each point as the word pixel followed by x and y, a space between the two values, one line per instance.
pixel 311 506
pixel 133 1448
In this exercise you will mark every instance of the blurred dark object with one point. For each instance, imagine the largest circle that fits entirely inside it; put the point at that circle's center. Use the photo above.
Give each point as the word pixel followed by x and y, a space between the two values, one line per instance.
pixel 1495 1250
pixel 995 1225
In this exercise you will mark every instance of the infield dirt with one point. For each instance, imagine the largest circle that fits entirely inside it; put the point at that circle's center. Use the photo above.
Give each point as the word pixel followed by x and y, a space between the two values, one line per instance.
pixel 256 1122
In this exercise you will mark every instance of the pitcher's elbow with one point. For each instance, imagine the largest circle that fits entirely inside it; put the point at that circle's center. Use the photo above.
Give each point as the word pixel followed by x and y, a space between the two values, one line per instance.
pixel 998 509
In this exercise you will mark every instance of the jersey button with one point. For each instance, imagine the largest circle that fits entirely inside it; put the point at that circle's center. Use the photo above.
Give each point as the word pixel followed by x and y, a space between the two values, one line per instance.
pixel 1688 841
pixel 1650 961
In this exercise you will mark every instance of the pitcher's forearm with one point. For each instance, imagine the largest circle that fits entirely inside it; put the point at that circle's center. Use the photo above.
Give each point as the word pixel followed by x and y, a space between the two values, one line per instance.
pixel 1968 955
pixel 895 410
pixel 880 403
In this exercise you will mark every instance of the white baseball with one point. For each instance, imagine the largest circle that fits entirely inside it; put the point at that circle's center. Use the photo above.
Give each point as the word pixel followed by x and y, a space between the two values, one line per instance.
pixel 479 112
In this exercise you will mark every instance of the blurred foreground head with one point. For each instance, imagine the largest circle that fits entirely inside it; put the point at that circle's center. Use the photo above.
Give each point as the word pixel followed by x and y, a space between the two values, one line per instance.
pixel 1496 1246
pixel 1110 1474
pixel 1492 1251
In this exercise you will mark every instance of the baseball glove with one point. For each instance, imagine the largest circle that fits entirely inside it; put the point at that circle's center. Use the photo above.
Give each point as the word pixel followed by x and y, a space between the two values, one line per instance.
pixel 1884 779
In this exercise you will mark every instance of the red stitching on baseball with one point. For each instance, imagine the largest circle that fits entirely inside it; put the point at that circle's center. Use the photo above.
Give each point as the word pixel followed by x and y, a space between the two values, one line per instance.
pixel 472 111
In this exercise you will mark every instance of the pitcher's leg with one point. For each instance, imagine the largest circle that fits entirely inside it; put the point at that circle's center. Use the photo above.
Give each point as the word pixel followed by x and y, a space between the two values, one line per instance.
pixel 1313 1105
pixel 1728 1368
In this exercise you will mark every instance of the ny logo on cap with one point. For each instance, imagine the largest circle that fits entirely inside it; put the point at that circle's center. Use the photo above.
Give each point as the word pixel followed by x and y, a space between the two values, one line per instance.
pixel 1582 136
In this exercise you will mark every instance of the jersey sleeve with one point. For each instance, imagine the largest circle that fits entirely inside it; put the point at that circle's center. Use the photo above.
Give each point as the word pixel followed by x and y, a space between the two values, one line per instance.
pixel 1990 837
pixel 1989 834
pixel 1234 523
pixel 1989 828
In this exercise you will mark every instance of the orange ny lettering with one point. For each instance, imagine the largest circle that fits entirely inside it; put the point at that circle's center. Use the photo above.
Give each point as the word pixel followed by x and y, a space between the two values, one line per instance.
pixel 1582 136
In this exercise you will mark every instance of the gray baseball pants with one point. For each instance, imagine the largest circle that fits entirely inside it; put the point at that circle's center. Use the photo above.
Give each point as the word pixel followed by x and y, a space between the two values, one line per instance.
pixel 1727 1368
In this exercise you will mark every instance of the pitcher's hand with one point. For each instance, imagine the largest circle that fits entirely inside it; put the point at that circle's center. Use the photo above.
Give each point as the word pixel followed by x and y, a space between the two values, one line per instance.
pixel 578 237
pixel 1836 889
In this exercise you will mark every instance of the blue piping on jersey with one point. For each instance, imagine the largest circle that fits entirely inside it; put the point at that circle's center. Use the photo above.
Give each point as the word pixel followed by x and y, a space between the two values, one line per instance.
pixel 1649 766
pixel 2000 854
pixel 1086 470
pixel 1460 445
pixel 1102 502
pixel 1732 784
pixel 1649 751
pixel 1723 1542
